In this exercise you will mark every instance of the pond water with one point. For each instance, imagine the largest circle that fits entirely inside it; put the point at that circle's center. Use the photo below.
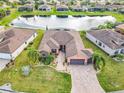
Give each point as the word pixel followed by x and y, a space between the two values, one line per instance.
pixel 54 22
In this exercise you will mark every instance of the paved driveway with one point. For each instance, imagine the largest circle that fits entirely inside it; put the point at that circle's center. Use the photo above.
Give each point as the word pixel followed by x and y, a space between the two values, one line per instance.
pixel 84 79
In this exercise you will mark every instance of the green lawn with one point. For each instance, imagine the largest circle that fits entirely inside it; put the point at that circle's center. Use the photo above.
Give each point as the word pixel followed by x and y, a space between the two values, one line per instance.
pixel 112 77
pixel 14 14
pixel 41 79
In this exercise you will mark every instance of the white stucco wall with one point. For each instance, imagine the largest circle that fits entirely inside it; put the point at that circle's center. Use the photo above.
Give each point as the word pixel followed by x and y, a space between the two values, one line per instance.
pixel 5 56
pixel 19 50
pixel 104 47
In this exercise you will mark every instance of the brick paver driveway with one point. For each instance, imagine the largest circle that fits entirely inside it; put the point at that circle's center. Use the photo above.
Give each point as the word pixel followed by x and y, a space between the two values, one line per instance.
pixel 84 79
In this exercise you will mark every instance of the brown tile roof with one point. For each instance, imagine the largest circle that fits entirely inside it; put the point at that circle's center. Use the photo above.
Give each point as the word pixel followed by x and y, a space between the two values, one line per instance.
pixel 120 26
pixel 112 39
pixel 71 49
pixel 14 38
pixel 62 38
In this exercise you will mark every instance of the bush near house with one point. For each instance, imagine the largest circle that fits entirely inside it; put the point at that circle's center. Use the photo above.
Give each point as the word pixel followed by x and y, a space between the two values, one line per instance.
pixel 108 25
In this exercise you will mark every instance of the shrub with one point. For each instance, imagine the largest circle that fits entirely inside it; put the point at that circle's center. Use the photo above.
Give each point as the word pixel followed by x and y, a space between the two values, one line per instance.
pixel 25 70
pixel 47 60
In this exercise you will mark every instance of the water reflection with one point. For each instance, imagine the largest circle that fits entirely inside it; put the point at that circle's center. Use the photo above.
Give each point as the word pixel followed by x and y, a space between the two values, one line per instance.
pixel 77 23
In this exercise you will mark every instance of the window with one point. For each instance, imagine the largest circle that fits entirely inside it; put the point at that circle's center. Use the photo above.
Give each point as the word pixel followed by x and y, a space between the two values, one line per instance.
pixel 53 50
pixel 116 52
pixel 100 44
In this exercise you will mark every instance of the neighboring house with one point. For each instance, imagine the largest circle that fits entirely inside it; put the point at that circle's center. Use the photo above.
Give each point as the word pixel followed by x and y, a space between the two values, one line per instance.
pixel 98 8
pixel 69 42
pixel 25 8
pixel 63 1
pixel 77 8
pixel 109 41
pixel 114 7
pixel 120 28
pixel 45 8
pixel 121 11
pixel 103 2
pixel 62 8
pixel 13 42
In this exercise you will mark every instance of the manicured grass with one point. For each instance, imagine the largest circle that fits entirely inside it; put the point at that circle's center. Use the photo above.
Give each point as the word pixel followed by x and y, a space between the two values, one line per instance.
pixel 42 79
pixel 112 77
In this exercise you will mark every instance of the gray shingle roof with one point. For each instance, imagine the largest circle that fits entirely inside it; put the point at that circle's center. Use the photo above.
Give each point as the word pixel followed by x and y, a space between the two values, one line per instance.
pixel 112 39
pixel 14 38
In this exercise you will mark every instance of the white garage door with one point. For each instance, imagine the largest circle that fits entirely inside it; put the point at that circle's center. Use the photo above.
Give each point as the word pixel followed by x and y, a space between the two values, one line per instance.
pixel 76 61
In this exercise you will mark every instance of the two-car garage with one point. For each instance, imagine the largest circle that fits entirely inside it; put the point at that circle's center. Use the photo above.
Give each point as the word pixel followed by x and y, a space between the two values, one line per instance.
pixel 77 61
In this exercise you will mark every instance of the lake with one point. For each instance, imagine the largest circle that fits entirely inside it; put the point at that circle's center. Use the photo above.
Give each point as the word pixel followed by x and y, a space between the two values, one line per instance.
pixel 54 22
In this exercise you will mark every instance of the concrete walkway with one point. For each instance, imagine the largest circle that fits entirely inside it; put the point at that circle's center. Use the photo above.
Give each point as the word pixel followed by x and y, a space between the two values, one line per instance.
pixel 60 60
pixel 84 79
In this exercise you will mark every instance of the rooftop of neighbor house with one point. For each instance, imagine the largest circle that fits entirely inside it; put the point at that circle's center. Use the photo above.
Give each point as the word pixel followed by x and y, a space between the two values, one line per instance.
pixel 121 26
pixel 44 6
pixel 109 37
pixel 53 38
pixel 61 6
pixel 13 38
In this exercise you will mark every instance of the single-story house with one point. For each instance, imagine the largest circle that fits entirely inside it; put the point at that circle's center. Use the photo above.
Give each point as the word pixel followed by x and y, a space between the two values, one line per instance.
pixel 63 1
pixel 98 8
pixel 109 41
pixel 25 8
pixel 102 2
pixel 45 8
pixel 62 8
pixel 69 42
pixel 114 7
pixel 76 8
pixel 13 42
pixel 120 28
pixel 121 11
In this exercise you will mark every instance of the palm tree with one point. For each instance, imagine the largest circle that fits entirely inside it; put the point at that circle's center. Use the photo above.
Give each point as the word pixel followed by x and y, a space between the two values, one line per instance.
pixel 98 61
pixel 33 55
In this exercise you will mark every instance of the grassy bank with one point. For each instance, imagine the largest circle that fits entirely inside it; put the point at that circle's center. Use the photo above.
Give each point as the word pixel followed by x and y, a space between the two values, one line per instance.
pixel 14 14
pixel 112 77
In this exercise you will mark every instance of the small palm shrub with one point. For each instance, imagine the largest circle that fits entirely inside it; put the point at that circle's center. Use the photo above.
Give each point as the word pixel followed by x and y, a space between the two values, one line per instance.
pixel 25 70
